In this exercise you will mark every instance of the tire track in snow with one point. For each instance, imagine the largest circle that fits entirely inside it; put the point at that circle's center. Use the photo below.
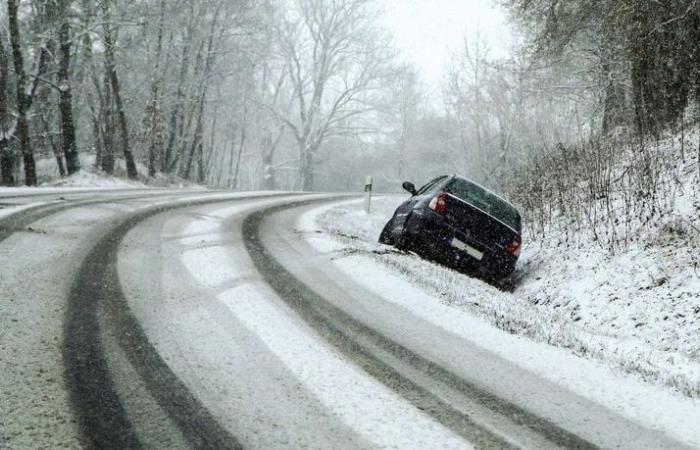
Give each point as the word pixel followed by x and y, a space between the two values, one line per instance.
pixel 361 344
pixel 102 418
pixel 22 219
pixel 348 408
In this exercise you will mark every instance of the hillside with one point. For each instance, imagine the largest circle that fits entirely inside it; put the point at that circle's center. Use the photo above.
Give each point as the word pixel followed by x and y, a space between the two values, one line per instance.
pixel 633 304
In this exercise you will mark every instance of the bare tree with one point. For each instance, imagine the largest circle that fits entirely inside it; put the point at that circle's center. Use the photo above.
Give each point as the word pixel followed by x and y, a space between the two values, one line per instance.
pixel 154 125
pixel 466 91
pixel 111 74
pixel 643 50
pixel 68 141
pixel 22 97
pixel 401 117
pixel 209 58
pixel 336 58
pixel 6 157
pixel 272 94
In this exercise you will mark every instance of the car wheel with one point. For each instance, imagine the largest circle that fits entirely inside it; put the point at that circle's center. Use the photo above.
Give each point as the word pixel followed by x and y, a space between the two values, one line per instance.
pixel 385 237
pixel 504 272
pixel 404 241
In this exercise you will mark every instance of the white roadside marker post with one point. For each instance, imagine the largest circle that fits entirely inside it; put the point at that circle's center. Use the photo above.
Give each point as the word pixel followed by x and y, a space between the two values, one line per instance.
pixel 368 193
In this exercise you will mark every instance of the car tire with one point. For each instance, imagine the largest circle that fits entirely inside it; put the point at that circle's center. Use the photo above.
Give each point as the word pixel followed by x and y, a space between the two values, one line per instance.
pixel 404 241
pixel 504 273
pixel 385 237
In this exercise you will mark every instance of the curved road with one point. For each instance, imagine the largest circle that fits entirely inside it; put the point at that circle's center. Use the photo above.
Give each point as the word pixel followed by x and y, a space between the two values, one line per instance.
pixel 194 319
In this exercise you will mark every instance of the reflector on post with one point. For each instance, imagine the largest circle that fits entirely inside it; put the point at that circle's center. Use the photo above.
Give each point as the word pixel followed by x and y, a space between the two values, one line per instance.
pixel 368 193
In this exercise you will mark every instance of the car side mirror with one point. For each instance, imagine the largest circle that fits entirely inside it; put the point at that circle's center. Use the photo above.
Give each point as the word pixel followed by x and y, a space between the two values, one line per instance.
pixel 410 187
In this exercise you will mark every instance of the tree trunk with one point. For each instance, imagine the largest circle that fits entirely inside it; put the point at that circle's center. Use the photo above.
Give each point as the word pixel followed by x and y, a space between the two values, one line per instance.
pixel 96 109
pixel 96 129
pixel 201 168
pixel 116 92
pixel 613 102
pixel 155 148
pixel 185 149
pixel 196 140
pixel 68 145
pixel 208 160
pixel 307 150
pixel 268 172
pixel 269 181
pixel 107 130
pixel 229 176
pixel 222 164
pixel 241 146
pixel 307 167
pixel 56 147
pixel 7 176
pixel 6 166
pixel 176 118
pixel 22 101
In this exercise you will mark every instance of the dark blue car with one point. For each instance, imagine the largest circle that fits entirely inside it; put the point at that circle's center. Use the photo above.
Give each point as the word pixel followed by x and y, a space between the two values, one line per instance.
pixel 459 223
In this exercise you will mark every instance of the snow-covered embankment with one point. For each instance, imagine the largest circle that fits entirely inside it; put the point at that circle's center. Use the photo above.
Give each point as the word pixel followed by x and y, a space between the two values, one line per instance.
pixel 574 317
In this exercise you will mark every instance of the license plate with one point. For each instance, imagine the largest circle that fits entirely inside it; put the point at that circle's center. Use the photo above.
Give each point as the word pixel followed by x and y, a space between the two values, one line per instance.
pixel 471 251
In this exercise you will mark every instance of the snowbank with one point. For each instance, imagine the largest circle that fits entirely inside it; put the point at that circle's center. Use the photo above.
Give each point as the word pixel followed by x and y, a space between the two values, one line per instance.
pixel 88 178
pixel 91 177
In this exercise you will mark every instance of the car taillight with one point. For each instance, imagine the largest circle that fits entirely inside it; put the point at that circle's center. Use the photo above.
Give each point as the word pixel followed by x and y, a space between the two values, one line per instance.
pixel 439 203
pixel 514 247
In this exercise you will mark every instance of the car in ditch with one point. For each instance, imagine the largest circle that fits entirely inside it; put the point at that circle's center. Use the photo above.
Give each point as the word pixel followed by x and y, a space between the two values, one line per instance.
pixel 459 223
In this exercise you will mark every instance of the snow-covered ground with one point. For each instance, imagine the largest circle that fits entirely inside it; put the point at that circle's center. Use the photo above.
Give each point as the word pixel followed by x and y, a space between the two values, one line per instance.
pixel 227 309
pixel 637 310
pixel 91 177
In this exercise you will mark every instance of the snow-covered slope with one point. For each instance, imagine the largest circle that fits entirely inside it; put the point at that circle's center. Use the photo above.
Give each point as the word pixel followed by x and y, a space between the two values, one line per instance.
pixel 638 310
pixel 91 177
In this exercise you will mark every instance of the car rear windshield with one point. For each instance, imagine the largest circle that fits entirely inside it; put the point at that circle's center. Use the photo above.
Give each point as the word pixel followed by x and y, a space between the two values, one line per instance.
pixel 485 201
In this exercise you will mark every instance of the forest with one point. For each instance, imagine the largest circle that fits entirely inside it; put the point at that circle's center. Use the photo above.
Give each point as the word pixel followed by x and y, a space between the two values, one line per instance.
pixel 313 95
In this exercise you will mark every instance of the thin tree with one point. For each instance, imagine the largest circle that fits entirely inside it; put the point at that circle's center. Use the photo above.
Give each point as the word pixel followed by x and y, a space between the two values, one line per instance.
pixel 111 73
pixel 65 96
pixel 6 159
pixel 170 159
pixel 209 59
pixel 336 58
pixel 153 112
pixel 22 98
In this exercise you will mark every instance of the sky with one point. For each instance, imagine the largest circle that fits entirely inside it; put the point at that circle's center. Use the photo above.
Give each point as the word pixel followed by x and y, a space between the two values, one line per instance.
pixel 427 32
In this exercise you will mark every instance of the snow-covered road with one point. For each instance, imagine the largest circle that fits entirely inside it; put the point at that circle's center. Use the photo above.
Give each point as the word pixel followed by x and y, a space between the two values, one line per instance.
pixel 179 319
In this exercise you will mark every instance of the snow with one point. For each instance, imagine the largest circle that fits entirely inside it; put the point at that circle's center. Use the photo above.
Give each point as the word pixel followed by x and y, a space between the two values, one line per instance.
pixel 559 312
pixel 6 135
pixel 35 409
pixel 638 310
pixel 88 179
pixel 8 211
pixel 91 177
pixel 42 261
pixel 222 329
pixel 369 408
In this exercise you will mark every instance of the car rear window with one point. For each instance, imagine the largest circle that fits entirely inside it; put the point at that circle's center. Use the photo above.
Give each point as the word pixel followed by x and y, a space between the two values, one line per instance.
pixel 430 185
pixel 485 201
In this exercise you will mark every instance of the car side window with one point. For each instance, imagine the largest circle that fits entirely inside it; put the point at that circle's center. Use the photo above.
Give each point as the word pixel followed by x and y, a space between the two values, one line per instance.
pixel 428 187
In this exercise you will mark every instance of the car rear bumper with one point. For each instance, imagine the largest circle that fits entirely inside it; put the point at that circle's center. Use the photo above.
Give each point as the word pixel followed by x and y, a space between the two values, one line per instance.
pixel 429 233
